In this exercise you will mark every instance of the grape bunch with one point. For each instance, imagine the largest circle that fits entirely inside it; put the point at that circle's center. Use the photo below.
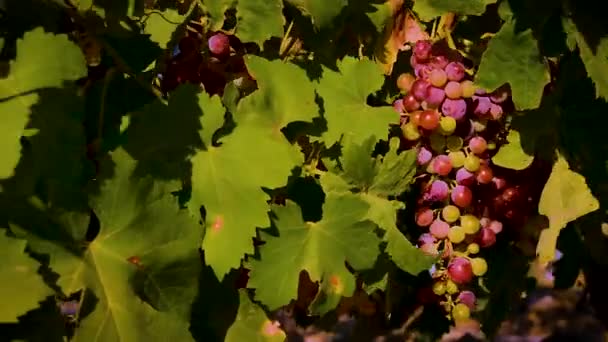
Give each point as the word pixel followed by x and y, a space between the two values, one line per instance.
pixel 456 127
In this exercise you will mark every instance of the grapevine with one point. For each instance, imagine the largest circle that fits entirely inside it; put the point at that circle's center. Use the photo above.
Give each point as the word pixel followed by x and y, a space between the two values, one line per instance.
pixel 288 170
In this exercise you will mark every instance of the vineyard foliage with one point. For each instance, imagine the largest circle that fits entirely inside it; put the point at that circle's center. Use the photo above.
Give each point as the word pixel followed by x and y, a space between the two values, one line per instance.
pixel 153 188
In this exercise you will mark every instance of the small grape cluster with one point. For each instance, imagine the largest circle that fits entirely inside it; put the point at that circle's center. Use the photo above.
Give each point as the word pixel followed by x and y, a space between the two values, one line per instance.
pixel 454 126
pixel 211 65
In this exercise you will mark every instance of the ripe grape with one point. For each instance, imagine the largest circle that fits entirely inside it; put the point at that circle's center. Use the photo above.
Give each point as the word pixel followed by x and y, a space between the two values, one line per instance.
pixel 438 191
pixel 422 50
pixel 461 196
pixel 481 105
pixel 484 175
pixel 426 238
pixel 451 287
pixel 467 298
pixel 439 288
pixel 455 71
pixel 487 237
pixel 461 312
pixel 479 266
pixel 496 111
pixel 405 81
pixel 219 44
pixel 469 223
pixel 429 249
pixel 424 156
pixel 437 142
pixel 456 234
pixel 473 248
pixel 419 89
pixel 478 145
pixel 425 217
pixel 468 88
pixel 457 158
pixel 464 177
pixel 434 97
pixel 439 229
pixel 410 131
pixel 398 106
pixel 454 143
pixel 429 119
pixel 447 125
pixel 472 163
pixel 423 71
pixel 410 103
pixel 453 90
pixel 495 226
pixel 454 108
pixel 439 62
pixel 450 213
pixel 442 165
pixel 438 77
pixel 460 270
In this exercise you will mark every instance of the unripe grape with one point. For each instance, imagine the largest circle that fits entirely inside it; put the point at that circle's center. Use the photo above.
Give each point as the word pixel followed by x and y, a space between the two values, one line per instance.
pixel 453 90
pixel 442 165
pixel 456 234
pixel 479 266
pixel 478 145
pixel 464 177
pixel 219 44
pixel 456 108
pixel 470 224
pixel 439 288
pixel 410 131
pixel 495 226
pixel 447 125
pixel 461 196
pixel 455 71
pixel 422 50
pixel 484 175
pixel 461 312
pixel 429 119
pixel 410 103
pixel 438 77
pixel 468 298
pixel 439 229
pixel 457 158
pixel 405 81
pixel 451 287
pixel 454 143
pixel 424 217
pixel 487 237
pixel 460 270
pixel 437 142
pixel 434 97
pixel 473 248
pixel 424 156
pixel 472 163
pixel 419 89
pixel 450 213
pixel 468 88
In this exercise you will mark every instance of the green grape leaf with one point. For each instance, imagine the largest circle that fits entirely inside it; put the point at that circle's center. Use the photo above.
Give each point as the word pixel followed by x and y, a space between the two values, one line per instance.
pixel 259 20
pixel 565 198
pixel 512 155
pixel 319 248
pixel 44 60
pixel 235 204
pixel 428 10
pixel 274 101
pixel 595 59
pixel 322 12
pixel 215 11
pixel 375 180
pixel 345 95
pixel 22 287
pixel 513 57
pixel 15 114
pixel 251 324
pixel 161 25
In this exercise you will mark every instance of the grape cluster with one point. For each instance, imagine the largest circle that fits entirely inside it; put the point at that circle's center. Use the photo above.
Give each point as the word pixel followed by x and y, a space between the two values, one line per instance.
pixel 455 127
pixel 211 60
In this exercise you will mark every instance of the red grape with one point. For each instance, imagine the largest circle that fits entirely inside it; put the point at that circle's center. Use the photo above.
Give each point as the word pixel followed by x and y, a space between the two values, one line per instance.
pixel 468 298
pixel 419 89
pixel 219 44
pixel 442 165
pixel 460 270
pixel 429 119
pixel 410 103
pixel 424 217
pixel 422 50
pixel 461 196
pixel 478 145
pixel 455 71
pixel 486 237
pixel 484 175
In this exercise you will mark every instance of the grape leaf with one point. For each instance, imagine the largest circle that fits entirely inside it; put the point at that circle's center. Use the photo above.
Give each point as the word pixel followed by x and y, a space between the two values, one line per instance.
pixel 215 11
pixel 428 10
pixel 565 198
pixel 596 62
pixel 512 155
pixel 235 204
pixel 43 60
pixel 259 20
pixel 319 248
pixel 22 287
pixel 375 180
pixel 345 95
pixel 514 57
pixel 251 324
pixel 274 101
pixel 160 26
pixel 15 114
pixel 322 12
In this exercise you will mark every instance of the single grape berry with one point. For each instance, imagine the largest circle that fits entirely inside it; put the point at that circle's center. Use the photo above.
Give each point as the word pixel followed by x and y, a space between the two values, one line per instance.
pixel 481 105
pixel 456 234
pixel 461 196
pixel 429 249
pixel 420 89
pixel 415 117
pixel 422 50
pixel 456 108
pixel 468 298
pixel 438 77
pixel 439 288
pixel 219 44
pixel 454 143
pixel 434 97
pixel 457 159
pixel 479 266
pixel 410 131
pixel 464 177
pixel 442 165
pixel 455 71
pixel 472 163
pixel 496 111
pixel 473 248
pixel 495 226
pixel 437 142
pixel 447 125
pixel 451 287
pixel 424 217
pixel 410 103
pixel 423 71
pixel 405 81
pixel 426 238
pixel 453 90
pixel 438 191
pixel 450 213
pixel 460 312
pixel 486 237
pixel 469 223
pixel 398 106
pixel 478 145
pixel 468 88
pixel 439 229
pixel 429 119
pixel 424 156
pixel 484 175
pixel 460 270
pixel 439 62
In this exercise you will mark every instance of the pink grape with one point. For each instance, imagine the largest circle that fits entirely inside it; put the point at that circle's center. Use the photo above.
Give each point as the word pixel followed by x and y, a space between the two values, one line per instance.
pixel 478 145
pixel 460 270
pixel 398 106
pixel 419 89
pixel 454 108
pixel 487 237
pixel 455 71
pixel 461 196
pixel 442 165
pixel 439 229
pixel 453 90
pixel 424 156
pixel 422 50
pixel 438 191
pixel 219 44
pixel 484 221
pixel 495 226
pixel 439 62
pixel 434 97
pixel 423 71
pixel 496 111
pixel 481 105
pixel 410 103
pixel 429 249
pixel 468 298
pixel 426 238
pixel 424 217
pixel 480 91
pixel 499 183
pixel 413 61
pixel 464 176
pixel 438 77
